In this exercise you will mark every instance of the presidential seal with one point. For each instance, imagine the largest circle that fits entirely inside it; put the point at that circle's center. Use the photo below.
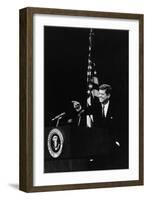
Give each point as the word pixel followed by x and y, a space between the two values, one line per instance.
pixel 55 142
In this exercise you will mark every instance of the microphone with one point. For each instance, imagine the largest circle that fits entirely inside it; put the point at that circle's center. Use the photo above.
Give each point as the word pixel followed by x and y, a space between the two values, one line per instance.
pixel 58 116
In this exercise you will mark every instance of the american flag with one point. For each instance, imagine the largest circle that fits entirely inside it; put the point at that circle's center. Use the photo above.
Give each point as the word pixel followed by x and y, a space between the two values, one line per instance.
pixel 92 78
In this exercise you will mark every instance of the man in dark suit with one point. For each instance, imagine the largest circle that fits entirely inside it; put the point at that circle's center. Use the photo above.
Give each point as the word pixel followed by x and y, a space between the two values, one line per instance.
pixel 102 108
pixel 111 117
pixel 106 114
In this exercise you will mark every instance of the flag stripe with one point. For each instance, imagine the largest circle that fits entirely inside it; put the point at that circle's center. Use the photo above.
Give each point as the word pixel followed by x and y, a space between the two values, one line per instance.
pixel 92 79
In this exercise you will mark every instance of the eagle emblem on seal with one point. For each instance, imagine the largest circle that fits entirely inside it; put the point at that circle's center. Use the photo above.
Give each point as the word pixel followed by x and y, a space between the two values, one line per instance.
pixel 55 142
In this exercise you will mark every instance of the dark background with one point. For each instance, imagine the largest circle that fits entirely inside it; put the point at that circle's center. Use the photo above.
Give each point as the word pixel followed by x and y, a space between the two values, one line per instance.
pixel 65 66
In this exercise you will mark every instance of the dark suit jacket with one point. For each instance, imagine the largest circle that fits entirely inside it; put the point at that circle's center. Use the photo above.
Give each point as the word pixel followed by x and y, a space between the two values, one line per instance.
pixel 115 121
pixel 99 121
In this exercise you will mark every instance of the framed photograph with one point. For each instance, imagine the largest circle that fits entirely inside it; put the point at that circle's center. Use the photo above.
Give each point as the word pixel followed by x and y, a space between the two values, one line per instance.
pixel 81 99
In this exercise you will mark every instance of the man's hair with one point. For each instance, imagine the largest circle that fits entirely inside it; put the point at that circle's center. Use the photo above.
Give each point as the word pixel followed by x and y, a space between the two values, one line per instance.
pixel 106 87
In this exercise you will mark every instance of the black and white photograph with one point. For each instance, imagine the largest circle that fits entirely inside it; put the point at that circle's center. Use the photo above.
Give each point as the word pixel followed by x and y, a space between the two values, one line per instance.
pixel 86 99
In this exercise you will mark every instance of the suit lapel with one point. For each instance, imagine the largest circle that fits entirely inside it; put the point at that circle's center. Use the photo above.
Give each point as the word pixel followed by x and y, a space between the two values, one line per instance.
pixel 109 111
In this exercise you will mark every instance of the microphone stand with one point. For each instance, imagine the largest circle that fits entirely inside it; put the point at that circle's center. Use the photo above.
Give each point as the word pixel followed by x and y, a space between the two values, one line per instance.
pixel 58 117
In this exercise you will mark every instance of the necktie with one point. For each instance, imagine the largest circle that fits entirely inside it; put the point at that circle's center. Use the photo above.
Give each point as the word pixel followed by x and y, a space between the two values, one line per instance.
pixel 103 111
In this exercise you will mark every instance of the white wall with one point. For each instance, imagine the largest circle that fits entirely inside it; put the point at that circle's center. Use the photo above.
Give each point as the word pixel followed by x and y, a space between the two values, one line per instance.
pixel 9 94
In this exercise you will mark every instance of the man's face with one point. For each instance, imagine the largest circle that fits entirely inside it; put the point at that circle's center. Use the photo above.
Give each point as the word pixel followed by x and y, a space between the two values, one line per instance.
pixel 103 97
